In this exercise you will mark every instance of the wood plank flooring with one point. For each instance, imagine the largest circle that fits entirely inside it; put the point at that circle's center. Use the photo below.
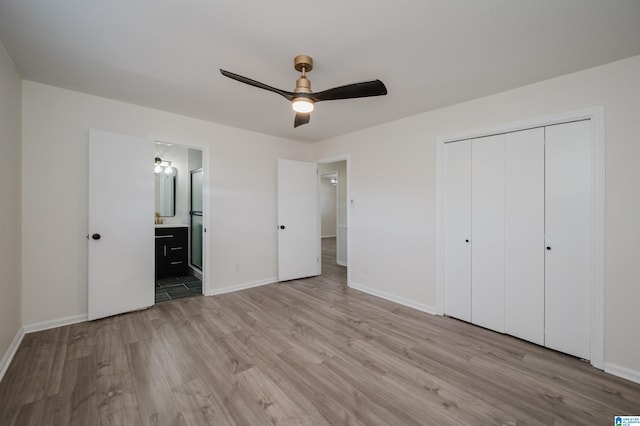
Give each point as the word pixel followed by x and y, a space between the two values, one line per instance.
pixel 305 352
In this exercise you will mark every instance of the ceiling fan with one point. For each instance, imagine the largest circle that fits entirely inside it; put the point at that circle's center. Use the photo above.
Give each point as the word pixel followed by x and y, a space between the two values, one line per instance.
pixel 302 98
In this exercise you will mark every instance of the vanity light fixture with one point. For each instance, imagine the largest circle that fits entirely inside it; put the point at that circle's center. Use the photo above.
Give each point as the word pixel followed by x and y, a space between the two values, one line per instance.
pixel 162 166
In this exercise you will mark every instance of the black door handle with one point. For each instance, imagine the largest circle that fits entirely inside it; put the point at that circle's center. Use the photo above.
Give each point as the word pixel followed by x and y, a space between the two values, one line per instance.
pixel 548 248
pixel 96 236
pixel 466 241
pixel 282 226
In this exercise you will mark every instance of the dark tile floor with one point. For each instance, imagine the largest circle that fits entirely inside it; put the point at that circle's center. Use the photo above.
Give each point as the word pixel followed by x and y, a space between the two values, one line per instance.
pixel 177 287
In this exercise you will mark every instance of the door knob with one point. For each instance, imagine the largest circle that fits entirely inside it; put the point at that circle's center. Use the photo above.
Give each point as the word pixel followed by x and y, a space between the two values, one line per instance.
pixel 466 241
pixel 282 226
pixel 548 248
pixel 96 236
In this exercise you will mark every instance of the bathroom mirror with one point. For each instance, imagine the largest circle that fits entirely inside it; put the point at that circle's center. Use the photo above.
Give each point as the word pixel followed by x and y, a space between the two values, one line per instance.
pixel 166 193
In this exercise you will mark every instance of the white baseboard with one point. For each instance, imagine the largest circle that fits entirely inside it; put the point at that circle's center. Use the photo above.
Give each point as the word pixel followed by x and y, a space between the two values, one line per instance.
pixel 624 372
pixel 46 325
pixel 388 296
pixel 329 236
pixel 243 286
pixel 11 352
pixel 339 262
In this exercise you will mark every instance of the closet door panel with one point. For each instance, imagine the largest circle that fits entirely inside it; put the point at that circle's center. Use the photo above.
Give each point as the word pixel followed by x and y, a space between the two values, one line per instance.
pixel 524 235
pixel 568 224
pixel 487 226
pixel 457 230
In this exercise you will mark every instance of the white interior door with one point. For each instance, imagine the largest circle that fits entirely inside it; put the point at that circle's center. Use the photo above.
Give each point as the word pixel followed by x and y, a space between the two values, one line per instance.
pixel 457 230
pixel 487 224
pixel 121 230
pixel 298 220
pixel 524 235
pixel 568 238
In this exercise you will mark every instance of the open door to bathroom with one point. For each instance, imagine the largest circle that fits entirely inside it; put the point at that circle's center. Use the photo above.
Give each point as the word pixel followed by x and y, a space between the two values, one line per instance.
pixel 121 230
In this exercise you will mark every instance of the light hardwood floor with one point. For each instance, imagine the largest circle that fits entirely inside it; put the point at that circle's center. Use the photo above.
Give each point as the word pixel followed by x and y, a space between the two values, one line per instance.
pixel 303 352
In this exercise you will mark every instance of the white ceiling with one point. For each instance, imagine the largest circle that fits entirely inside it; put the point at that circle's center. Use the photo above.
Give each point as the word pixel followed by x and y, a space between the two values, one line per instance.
pixel 165 54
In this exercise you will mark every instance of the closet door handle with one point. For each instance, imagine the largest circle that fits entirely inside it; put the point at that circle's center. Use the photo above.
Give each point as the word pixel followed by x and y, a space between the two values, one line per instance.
pixel 466 241
pixel 549 248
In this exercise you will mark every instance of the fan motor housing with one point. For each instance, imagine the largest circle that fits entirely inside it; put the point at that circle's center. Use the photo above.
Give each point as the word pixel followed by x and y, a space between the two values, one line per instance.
pixel 301 62
pixel 303 85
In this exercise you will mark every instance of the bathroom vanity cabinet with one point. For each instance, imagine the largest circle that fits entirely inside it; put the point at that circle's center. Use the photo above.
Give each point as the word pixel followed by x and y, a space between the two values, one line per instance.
pixel 171 251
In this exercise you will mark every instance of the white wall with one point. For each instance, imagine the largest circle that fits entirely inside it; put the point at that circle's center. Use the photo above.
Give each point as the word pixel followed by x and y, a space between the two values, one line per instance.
pixel 393 232
pixel 339 167
pixel 55 130
pixel 328 213
pixel 10 111
pixel 195 159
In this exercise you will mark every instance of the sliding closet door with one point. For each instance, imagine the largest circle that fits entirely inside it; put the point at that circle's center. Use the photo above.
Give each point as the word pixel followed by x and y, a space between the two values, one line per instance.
pixel 457 230
pixel 524 235
pixel 487 224
pixel 568 242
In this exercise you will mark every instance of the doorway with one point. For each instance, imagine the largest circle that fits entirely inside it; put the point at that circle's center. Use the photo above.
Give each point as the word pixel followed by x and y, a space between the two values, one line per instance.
pixel 121 231
pixel 334 216
pixel 179 222
pixel 300 244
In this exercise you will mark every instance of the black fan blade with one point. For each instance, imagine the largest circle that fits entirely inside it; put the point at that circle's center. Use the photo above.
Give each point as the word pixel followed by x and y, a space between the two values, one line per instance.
pixel 356 90
pixel 288 95
pixel 301 118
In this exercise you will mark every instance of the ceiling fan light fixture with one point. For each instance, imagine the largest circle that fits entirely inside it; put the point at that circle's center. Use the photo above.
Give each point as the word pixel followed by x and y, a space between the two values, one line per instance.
pixel 303 105
pixel 303 98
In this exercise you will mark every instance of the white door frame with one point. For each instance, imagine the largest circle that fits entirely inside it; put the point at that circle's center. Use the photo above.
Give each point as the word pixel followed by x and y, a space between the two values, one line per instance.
pixel 337 173
pixel 336 159
pixel 206 205
pixel 597 152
